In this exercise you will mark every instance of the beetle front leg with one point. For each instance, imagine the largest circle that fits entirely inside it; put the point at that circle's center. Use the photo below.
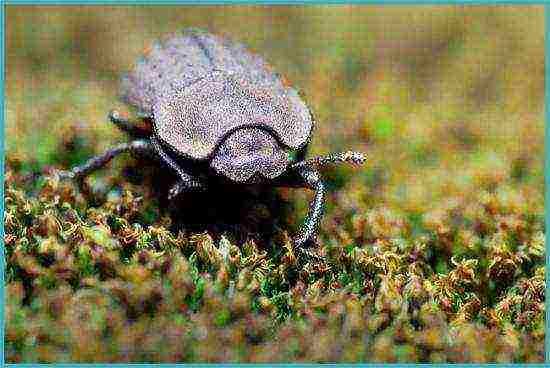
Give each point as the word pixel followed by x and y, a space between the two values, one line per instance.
pixel 97 162
pixel 186 182
pixel 312 180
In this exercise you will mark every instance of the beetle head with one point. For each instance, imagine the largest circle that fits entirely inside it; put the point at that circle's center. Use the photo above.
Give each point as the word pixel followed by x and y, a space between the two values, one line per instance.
pixel 250 155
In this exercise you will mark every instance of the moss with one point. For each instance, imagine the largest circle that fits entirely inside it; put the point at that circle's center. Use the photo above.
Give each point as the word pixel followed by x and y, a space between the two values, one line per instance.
pixel 385 296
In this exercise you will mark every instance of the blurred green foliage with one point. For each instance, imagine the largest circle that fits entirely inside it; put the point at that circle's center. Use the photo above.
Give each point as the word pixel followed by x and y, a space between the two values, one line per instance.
pixel 435 248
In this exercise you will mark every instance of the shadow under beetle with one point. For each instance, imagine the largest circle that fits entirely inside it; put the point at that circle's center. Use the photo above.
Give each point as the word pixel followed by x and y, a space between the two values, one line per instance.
pixel 211 110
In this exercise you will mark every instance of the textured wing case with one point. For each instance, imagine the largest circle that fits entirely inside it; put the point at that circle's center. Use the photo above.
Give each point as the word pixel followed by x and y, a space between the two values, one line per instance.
pixel 175 64
pixel 200 87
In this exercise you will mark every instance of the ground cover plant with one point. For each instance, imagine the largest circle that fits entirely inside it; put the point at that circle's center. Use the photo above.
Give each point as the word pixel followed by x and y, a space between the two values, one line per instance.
pixel 435 249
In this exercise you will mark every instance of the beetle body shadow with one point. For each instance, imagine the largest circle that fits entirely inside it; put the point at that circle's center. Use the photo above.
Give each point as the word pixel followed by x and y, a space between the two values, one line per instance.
pixel 241 212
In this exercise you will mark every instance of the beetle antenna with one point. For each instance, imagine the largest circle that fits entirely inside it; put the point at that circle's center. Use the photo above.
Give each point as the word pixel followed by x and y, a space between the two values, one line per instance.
pixel 351 157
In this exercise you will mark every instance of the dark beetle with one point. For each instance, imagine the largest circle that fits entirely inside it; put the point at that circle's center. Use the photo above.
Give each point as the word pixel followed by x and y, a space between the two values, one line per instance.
pixel 211 111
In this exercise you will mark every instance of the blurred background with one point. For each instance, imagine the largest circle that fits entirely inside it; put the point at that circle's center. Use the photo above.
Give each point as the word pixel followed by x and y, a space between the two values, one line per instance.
pixel 436 244
pixel 445 100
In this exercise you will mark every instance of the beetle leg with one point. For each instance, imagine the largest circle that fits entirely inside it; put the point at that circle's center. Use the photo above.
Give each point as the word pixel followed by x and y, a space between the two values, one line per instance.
pixel 185 185
pixel 312 180
pixel 97 162
pixel 186 181
pixel 127 126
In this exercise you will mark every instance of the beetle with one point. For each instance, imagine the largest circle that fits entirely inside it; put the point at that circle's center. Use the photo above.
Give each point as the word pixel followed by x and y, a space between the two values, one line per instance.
pixel 211 110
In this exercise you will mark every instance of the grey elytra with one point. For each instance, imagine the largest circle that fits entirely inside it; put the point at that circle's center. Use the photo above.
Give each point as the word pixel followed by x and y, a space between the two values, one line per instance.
pixel 212 110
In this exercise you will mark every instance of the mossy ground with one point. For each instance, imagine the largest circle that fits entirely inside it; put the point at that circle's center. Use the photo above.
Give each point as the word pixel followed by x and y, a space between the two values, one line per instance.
pixel 435 248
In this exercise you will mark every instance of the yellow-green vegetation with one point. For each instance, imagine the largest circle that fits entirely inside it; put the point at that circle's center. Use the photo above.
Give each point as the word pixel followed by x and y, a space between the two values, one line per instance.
pixel 435 249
